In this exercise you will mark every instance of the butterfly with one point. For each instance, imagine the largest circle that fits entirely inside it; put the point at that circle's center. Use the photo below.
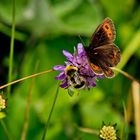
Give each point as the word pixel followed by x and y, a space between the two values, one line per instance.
pixel 102 53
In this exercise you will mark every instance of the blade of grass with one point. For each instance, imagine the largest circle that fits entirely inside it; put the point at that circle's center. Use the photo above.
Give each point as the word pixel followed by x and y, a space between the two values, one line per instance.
pixel 27 109
pixel 11 46
pixel 50 114
pixel 6 130
pixel 136 101
pixel 127 116
pixel 130 50
pixel 125 129
pixel 4 28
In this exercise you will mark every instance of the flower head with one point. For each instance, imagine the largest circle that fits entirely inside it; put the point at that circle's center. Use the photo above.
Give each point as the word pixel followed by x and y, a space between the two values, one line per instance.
pixel 2 103
pixel 108 132
pixel 82 75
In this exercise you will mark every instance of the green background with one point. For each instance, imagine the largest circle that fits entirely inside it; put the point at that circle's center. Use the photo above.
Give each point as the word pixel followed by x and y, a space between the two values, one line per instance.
pixel 43 29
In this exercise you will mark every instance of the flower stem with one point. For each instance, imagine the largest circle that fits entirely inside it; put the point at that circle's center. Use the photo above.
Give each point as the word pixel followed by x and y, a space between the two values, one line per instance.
pixel 126 74
pixel 50 114
pixel 27 77
pixel 88 130
pixel 11 47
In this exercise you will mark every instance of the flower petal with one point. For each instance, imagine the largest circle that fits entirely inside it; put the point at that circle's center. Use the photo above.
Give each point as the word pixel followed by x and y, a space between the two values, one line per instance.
pixel 67 63
pixel 61 76
pixel 68 55
pixel 100 76
pixel 93 84
pixel 64 84
pixel 77 59
pixel 59 67
pixel 80 49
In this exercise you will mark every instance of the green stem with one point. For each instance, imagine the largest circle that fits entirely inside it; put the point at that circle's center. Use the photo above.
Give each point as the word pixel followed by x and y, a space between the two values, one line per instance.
pixel 50 114
pixel 125 129
pixel 6 130
pixel 11 46
pixel 131 48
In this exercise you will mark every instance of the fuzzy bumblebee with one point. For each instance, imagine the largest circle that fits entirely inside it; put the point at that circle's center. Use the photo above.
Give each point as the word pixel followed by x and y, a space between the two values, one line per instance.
pixel 74 78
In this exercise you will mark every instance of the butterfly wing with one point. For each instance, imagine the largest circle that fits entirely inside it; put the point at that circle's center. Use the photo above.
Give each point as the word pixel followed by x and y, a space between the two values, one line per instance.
pixel 102 53
pixel 106 56
pixel 96 68
pixel 104 34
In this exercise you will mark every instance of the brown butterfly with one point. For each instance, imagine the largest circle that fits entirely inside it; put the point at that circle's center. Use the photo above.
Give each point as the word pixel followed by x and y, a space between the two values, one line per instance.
pixel 102 52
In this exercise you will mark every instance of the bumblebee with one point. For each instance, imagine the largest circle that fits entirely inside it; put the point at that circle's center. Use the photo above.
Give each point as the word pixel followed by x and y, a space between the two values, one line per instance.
pixel 75 80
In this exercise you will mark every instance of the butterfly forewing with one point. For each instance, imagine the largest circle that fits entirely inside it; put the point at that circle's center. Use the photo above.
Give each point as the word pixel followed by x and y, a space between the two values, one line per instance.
pixel 104 34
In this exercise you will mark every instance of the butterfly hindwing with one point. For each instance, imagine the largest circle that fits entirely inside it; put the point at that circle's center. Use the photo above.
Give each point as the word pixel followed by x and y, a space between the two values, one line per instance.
pixel 108 71
pixel 103 58
pixel 108 54
pixel 97 69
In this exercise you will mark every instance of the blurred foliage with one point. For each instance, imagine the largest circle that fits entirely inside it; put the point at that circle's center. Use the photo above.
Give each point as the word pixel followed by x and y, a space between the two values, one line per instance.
pixel 43 29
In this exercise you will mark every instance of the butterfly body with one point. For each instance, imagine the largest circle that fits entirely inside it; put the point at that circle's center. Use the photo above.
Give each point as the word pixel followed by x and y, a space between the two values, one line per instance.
pixel 102 52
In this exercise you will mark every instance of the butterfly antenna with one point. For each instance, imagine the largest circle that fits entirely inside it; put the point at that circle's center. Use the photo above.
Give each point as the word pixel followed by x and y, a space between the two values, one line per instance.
pixel 81 40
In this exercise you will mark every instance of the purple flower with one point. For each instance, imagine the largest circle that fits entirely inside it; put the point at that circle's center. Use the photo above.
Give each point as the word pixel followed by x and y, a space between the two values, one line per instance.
pixel 81 74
